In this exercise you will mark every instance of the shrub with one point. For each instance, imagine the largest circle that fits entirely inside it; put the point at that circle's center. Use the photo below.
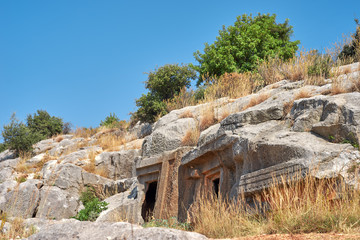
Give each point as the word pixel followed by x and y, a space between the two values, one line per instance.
pixel 93 206
pixel 110 120
pixel 239 48
pixel 3 147
pixel 18 137
pixel 163 84
pixel 352 50
pixel 67 128
pixel 44 124
pixel 150 108
pixel 191 137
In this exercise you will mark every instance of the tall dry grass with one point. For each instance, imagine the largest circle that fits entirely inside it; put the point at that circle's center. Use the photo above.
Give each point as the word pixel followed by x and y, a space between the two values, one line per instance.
pixel 233 85
pixel 17 230
pixel 309 205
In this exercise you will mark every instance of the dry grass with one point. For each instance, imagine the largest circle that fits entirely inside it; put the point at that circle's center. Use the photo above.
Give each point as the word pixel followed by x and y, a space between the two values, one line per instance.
pixel 17 229
pixel 183 99
pixel 269 71
pixel 207 118
pixel 91 167
pixel 110 142
pixel 293 207
pixel 85 132
pixel 186 114
pixel 257 100
pixel 287 107
pixel 233 85
pixel 59 138
pixel 191 137
pixel 303 93
pixel 340 85
pixel 224 114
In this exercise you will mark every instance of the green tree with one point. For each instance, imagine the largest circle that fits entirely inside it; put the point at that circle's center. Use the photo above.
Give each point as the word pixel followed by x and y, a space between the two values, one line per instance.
pixel 353 49
pixel 110 120
pixel 163 84
pixel 44 124
pixel 18 137
pixel 239 48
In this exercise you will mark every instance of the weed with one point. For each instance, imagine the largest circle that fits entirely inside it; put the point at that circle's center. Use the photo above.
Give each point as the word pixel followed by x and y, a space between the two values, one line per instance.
pixel 290 205
pixel 257 100
pixel 186 114
pixel 207 118
pixel 191 137
pixel 93 206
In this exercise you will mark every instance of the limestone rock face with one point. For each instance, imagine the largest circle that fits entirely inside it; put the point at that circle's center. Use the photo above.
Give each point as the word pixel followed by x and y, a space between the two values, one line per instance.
pixel 7 154
pixel 56 203
pixel 124 206
pixel 168 137
pixel 73 229
pixel 118 165
pixel 337 117
pixel 66 177
pixel 22 201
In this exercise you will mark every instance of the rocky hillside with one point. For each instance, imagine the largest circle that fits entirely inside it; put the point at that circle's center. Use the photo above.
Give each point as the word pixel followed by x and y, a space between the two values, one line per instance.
pixel 229 146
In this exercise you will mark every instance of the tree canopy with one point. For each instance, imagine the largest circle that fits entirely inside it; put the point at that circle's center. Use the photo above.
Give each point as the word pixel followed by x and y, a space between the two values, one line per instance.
pixel 163 84
pixel 239 48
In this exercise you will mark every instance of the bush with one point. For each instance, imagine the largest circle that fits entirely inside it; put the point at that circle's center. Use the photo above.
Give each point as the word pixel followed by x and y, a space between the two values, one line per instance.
pixel 67 128
pixel 110 120
pixel 18 137
pixel 352 50
pixel 45 125
pixel 164 84
pixel 3 147
pixel 93 206
pixel 239 48
pixel 321 65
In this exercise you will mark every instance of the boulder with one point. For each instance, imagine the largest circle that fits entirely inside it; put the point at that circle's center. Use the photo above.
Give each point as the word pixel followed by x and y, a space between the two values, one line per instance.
pixel 56 203
pixel 168 137
pixel 7 154
pixel 5 174
pixel 122 207
pixel 119 164
pixel 23 200
pixel 66 177
pixel 72 229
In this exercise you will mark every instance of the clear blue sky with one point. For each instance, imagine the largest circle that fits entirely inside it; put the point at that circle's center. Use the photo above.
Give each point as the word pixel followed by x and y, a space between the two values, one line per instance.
pixel 80 60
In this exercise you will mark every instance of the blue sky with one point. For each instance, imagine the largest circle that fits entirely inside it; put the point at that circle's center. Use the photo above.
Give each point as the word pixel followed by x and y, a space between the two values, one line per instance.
pixel 80 60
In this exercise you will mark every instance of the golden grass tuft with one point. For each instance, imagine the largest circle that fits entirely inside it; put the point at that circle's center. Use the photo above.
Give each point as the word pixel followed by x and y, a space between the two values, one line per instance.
pixel 287 107
pixel 257 100
pixel 233 85
pixel 17 229
pixel 290 206
pixel 207 118
pixel 303 93
pixel 59 138
pixel 85 132
pixel 110 142
pixel 186 114
pixel 191 137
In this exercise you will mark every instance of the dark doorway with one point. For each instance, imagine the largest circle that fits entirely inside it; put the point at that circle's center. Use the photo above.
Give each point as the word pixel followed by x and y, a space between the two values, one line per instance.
pixel 149 203
pixel 216 185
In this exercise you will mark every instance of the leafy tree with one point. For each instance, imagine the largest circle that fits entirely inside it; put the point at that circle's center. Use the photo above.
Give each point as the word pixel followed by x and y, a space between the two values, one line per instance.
pixel 44 124
pixel 350 50
pixel 150 107
pixel 239 48
pixel 163 84
pixel 110 120
pixel 168 80
pixel 3 147
pixel 18 137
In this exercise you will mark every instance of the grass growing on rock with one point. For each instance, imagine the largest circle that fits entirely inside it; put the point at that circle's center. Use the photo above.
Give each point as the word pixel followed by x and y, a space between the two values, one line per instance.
pixel 287 207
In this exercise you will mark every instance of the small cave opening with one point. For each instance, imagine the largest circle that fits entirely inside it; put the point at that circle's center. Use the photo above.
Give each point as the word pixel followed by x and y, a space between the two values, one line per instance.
pixel 216 185
pixel 149 202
